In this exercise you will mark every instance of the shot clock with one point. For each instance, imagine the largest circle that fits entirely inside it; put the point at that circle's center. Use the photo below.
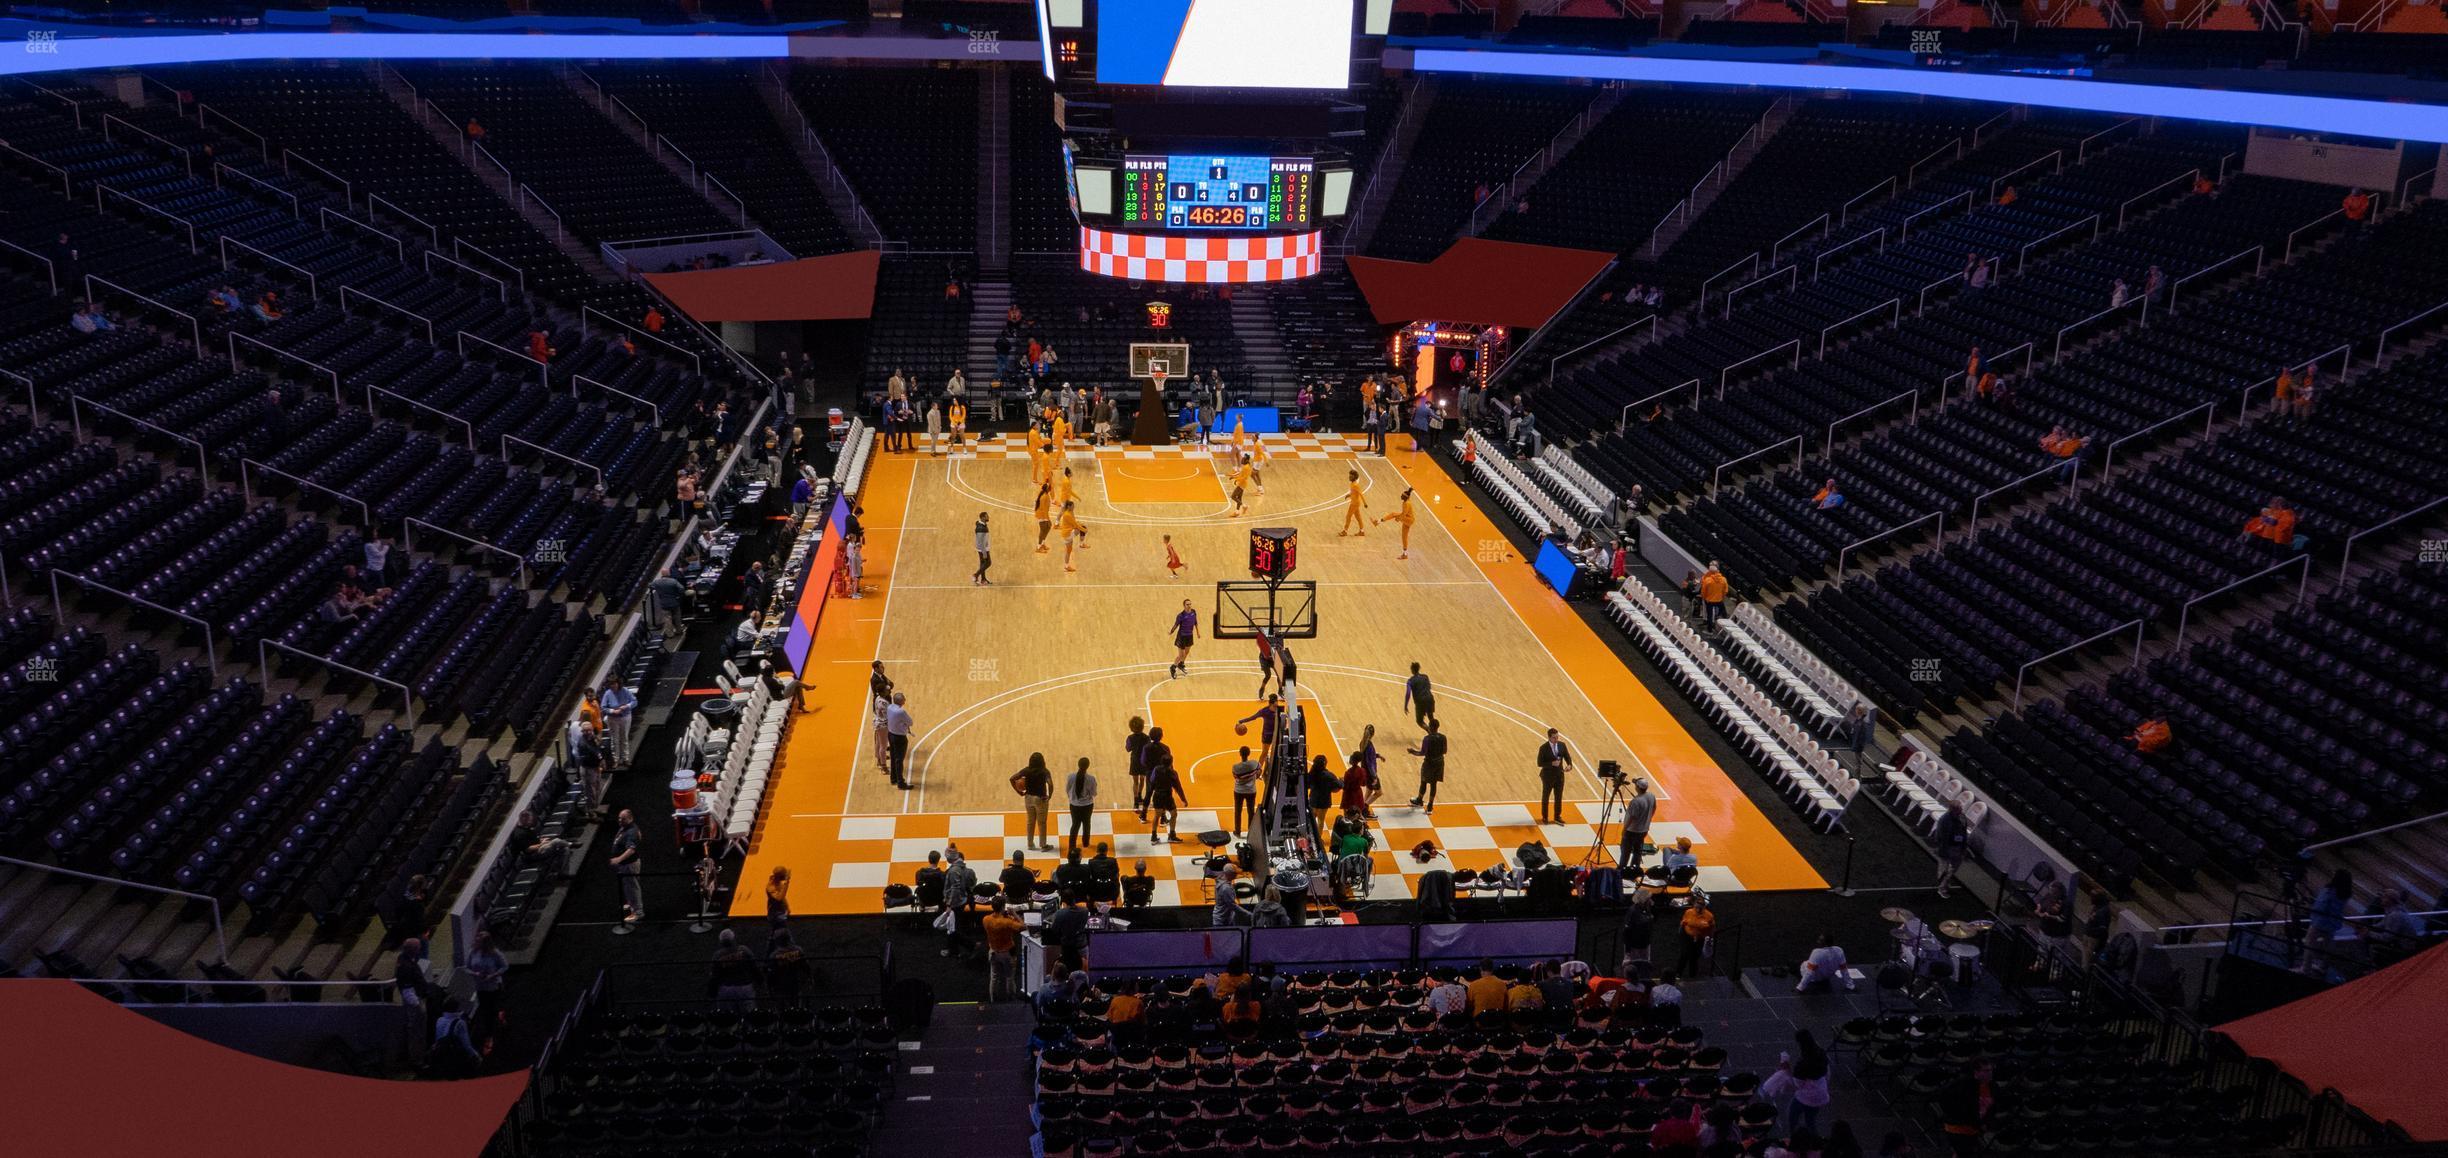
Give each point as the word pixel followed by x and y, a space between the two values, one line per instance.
pixel 1274 552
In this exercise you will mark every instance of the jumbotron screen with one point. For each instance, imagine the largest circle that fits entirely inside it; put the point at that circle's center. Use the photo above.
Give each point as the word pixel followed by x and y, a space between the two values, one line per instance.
pixel 1191 191
pixel 1225 43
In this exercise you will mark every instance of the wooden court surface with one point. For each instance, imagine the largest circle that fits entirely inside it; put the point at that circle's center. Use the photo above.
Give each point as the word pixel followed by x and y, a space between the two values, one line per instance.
pixel 1045 660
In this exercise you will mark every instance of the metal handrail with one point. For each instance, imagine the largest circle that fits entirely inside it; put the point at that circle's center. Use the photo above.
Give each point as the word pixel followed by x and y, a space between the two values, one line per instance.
pixel 2108 456
pixel 1922 310
pixel 651 408
pixel 1718 475
pixel 2290 244
pixel 408 539
pixel 235 337
pixel 2382 352
pixel 587 312
pixel 219 938
pixel 1791 273
pixel 246 486
pixel 1748 265
pixel 1970 387
pixel 1663 222
pixel 2138 626
pixel 658 142
pixel 2405 188
pixel 373 199
pixel 1881 404
pixel 345 291
pixel 194 327
pixel 1983 127
pixel 1725 375
pixel 1841 246
pixel 50 268
pixel 2256 253
pixel 1844 212
pixel 2023 259
pixel 186 155
pixel 1650 321
pixel 1777 250
pixel 1912 176
pixel 1897 319
pixel 1847 549
pixel 314 285
pixel 527 193
pixel 100 189
pixel 2056 155
pixel 59 607
pixel 67 187
pixel 2141 300
pixel 372 390
pixel 2346 561
pixel 1904 227
pixel 1972 516
pixel 507 439
pixel 263 144
pixel 263 665
pixel 2184 614
pixel 1624 419
pixel 682 239
pixel 543 369
pixel 2082 148
pixel 297 208
pixel 432 256
pixel 713 182
pixel 399 247
pixel 348 192
pixel 2185 179
pixel 76 420
pixel 508 182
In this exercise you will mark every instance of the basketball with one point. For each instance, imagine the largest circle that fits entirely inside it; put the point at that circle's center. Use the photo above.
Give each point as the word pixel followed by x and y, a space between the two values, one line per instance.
pixel 1241 729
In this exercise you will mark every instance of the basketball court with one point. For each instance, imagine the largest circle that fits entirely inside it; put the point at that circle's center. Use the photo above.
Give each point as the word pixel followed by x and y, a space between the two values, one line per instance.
pixel 1045 660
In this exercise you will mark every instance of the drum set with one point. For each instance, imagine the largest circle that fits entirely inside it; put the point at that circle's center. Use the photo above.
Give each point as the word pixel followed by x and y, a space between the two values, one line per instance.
pixel 1954 948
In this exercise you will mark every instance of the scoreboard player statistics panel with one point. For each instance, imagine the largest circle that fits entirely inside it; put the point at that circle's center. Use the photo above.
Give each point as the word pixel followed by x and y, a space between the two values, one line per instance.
pixel 1237 193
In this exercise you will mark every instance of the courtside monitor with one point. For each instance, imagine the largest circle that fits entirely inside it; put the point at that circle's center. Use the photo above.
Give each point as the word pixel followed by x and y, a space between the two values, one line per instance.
pixel 1556 567
pixel 1299 44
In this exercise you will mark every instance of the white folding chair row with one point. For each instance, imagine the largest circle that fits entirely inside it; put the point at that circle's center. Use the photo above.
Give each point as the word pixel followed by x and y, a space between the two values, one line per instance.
pixel 1927 784
pixel 1582 479
pixel 1492 480
pixel 1835 689
pixel 851 468
pixel 1564 491
pixel 1793 684
pixel 1526 495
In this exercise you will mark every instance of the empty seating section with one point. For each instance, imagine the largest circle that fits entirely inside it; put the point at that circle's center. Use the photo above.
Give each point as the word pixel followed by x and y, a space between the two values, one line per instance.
pixel 907 140
pixel 1632 169
pixel 917 329
pixel 1091 320
pixel 1040 198
pixel 1959 622
pixel 1475 135
pixel 1323 323
pixel 800 1080
pixel 715 116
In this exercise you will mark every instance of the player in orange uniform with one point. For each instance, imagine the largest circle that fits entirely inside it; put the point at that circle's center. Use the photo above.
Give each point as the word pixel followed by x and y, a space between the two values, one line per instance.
pixel 1258 462
pixel 1045 515
pixel 1403 516
pixel 1352 509
pixel 1173 562
pixel 1074 536
pixel 1240 485
pixel 958 416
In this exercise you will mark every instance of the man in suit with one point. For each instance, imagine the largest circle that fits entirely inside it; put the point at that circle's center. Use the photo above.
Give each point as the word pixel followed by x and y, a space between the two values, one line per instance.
pixel 753 590
pixel 1554 759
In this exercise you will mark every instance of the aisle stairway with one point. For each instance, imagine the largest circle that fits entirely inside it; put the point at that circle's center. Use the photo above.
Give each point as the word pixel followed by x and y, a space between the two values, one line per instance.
pixel 988 300
pixel 965 1088
pixel 1261 345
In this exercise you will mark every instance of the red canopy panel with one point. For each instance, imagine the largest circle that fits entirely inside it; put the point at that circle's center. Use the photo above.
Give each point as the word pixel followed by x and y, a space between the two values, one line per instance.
pixel 2375 1040
pixel 811 289
pixel 1489 283
pixel 109 1081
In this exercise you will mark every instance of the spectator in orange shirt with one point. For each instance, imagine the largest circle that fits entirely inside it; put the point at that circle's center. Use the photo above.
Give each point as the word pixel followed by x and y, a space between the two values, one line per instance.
pixel 1986 388
pixel 2151 735
pixel 2009 197
pixel 2202 184
pixel 654 320
pixel 1002 953
pixel 1487 990
pixel 1712 594
pixel 1828 498
pixel 2283 402
pixel 2064 445
pixel 539 346
pixel 475 131
pixel 1972 366
pixel 2357 206
pixel 2276 523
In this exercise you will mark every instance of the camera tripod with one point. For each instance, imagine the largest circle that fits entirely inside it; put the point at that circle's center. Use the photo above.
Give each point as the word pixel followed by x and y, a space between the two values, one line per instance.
pixel 1600 853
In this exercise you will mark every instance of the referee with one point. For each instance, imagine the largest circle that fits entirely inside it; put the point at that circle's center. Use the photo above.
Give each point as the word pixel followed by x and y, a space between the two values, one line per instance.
pixel 1420 697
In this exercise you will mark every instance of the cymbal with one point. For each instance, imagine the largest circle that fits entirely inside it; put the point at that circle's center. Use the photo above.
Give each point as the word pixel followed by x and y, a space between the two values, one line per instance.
pixel 1965 930
pixel 1895 914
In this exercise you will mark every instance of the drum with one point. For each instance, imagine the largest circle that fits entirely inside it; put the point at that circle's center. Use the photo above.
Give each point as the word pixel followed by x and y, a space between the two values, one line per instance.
pixel 1966 957
pixel 684 792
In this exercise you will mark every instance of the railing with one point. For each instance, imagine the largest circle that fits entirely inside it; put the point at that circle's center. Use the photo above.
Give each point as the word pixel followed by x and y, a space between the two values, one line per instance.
pixel 2082 148
pixel 408 539
pixel 1791 273
pixel 1726 375
pixel 1904 227
pixel 659 143
pixel 1972 519
pixel 651 408
pixel 527 193
pixel 1717 476
pixel 186 155
pixel 1650 321
pixel 713 183
pixel 375 199
pixel 461 247
pixel 1776 252
pixel 2405 188
pixel 2209 411
pixel 1881 404
pixel 2184 615
pixel 1983 127
pixel 2382 352
pixel 2138 627
pixel 1844 213
pixel 235 337
pixel 2346 561
pixel 1972 388
pixel 543 369
pixel 2254 253
pixel 220 939
pixel 509 183
pixel 1954 149
pixel 500 287
pixel 2055 157
pixel 1402 120
pixel 50 268
pixel 192 246
pixel 67 187
pixel 2138 300
pixel 1624 419
pixel 399 248
pixel 1821 257
pixel 348 192
pixel 1843 552
pixel 345 291
pixel 59 607
pixel 585 313
pixel 314 285
pixel 2244 397
pixel 195 329
pixel 296 209
pixel 75 110
pixel 1650 250
pixel 246 486
pixel 507 439
pixel 2024 259
pixel 34 412
pixel 2185 180
pixel 1748 265
pixel 2323 219
pixel 1922 309
pixel 262 145
pixel 1894 306
pixel 76 420
pixel 436 411
pixel 263 667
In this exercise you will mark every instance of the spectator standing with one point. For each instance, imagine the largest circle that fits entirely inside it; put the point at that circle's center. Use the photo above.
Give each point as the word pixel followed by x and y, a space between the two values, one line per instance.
pixel 1002 952
pixel 1035 784
pixel 488 968
pixel 1431 752
pixel 1080 793
pixel 1640 809
pixel 960 895
pixel 1639 931
pixel 1699 924
pixel 777 898
pixel 1965 1107
pixel 1165 795
pixel 1419 695
pixel 668 593
pixel 626 850
pixel 734 976
pixel 619 707
pixel 1952 839
pixel 1067 931
pixel 897 738
pixel 786 968
pixel 1244 791
pixel 1712 593
pixel 1810 1082
pixel 1554 758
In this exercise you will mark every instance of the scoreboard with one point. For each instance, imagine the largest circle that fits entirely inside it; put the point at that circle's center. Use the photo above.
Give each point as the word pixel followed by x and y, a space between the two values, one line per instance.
pixel 1198 192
